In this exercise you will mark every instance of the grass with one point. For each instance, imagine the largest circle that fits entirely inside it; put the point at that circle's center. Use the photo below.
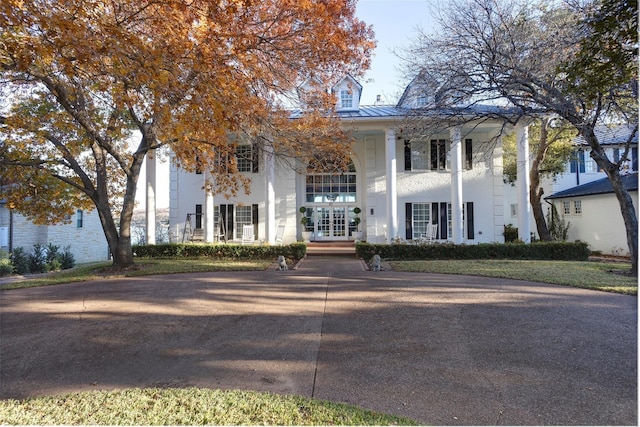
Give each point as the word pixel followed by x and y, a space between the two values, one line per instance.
pixel 142 267
pixel 601 276
pixel 190 406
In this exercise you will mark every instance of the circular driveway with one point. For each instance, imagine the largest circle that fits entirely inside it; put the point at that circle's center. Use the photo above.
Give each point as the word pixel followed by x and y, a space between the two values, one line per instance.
pixel 439 349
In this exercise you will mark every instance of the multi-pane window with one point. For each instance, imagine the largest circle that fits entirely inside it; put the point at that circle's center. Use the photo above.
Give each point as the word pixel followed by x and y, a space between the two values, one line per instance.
pixel 590 164
pixel 419 155
pixel 577 207
pixel 336 186
pixel 566 207
pixel 244 216
pixel 438 154
pixel 244 155
pixel 346 98
pixel 421 218
pixel 514 210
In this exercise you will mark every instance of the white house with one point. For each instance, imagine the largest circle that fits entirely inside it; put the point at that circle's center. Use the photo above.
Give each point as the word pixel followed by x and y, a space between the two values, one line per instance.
pixel 592 210
pixel 594 213
pixel 452 179
pixel 83 234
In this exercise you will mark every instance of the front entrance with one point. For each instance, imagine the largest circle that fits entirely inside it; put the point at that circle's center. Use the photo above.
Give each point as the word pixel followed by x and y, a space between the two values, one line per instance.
pixel 333 222
pixel 330 200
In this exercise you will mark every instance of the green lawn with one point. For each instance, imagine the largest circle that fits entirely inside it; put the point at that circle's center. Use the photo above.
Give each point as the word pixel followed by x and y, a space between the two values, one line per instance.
pixel 601 276
pixel 190 406
pixel 142 267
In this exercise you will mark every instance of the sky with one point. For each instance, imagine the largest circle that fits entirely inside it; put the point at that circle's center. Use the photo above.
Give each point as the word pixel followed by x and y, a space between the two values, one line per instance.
pixel 394 23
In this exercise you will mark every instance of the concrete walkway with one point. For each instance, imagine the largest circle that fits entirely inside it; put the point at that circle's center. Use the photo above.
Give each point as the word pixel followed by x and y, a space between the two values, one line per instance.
pixel 443 350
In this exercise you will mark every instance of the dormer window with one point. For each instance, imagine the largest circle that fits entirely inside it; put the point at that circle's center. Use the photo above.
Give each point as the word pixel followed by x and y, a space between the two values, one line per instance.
pixel 422 100
pixel 346 98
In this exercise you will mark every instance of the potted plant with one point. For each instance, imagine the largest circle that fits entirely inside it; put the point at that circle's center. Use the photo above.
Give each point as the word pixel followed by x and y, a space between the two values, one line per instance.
pixel 306 234
pixel 357 234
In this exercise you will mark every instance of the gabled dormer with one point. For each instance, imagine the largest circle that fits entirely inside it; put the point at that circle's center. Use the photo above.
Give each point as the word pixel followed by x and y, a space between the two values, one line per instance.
pixel 347 92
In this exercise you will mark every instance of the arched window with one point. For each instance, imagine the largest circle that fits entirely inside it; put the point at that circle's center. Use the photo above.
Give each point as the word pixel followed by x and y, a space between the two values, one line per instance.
pixel 326 183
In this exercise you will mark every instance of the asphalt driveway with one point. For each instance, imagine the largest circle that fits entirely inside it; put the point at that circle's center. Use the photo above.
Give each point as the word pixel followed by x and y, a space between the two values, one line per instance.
pixel 439 349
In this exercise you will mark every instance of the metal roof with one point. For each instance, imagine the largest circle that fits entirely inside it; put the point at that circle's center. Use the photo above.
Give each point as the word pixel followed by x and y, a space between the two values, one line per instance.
pixel 391 111
pixel 601 186
pixel 611 135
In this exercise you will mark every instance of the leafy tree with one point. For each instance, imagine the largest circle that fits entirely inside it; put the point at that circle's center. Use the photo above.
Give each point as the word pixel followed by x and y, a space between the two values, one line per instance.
pixel 541 59
pixel 551 147
pixel 80 76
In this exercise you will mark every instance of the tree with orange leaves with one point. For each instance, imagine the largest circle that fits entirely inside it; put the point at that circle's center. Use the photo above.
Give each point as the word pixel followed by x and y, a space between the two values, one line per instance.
pixel 79 76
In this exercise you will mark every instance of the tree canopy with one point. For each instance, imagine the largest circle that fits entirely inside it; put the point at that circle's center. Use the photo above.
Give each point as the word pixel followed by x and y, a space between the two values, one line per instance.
pixel 80 75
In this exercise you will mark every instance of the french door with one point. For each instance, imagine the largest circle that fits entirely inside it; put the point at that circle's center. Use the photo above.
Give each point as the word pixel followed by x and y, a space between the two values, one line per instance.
pixel 333 222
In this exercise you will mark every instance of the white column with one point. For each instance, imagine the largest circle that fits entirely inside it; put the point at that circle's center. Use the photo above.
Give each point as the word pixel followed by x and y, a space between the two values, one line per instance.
pixel 456 184
pixel 150 211
pixel 392 194
pixel 270 203
pixel 209 223
pixel 523 180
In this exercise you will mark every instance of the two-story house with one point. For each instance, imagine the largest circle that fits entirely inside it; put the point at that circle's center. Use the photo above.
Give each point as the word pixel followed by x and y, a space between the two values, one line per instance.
pixel 399 183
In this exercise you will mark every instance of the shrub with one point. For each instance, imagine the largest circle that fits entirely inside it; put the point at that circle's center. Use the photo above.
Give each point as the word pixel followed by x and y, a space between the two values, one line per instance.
pixel 6 267
pixel 220 251
pixel 54 256
pixel 38 259
pixel 576 251
pixel 510 233
pixel 20 261
pixel 67 260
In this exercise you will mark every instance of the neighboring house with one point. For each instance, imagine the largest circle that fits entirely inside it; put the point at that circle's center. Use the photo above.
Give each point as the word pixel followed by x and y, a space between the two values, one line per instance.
pixel 594 213
pixel 580 171
pixel 452 179
pixel 83 235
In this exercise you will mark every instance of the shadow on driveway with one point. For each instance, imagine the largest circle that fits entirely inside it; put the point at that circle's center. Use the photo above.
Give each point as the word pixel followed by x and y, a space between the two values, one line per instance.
pixel 439 349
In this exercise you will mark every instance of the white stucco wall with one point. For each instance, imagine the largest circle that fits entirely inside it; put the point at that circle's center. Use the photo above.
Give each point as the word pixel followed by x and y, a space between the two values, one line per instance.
pixel 600 224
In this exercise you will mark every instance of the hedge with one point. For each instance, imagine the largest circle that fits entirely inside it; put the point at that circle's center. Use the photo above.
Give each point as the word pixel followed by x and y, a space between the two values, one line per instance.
pixel 220 251
pixel 574 251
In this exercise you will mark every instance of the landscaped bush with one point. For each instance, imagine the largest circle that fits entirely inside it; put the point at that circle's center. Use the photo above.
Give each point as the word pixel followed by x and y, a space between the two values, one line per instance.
pixel 67 260
pixel 577 251
pixel 20 261
pixel 6 268
pixel 41 259
pixel 38 259
pixel 220 251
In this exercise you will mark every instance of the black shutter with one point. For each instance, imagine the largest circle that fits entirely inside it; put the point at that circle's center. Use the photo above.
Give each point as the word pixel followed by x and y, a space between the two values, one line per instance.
pixel 434 154
pixel 254 219
pixel 468 147
pixel 198 216
pixel 469 213
pixel 407 155
pixel 434 216
pixel 408 209
pixel 255 159
pixel 444 233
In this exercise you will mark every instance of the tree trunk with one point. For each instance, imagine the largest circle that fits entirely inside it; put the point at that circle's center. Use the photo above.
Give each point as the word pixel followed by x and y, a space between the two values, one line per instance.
pixel 535 192
pixel 628 215
pixel 622 194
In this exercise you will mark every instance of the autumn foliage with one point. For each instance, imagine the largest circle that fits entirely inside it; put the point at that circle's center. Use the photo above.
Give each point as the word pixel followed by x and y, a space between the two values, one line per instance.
pixel 78 76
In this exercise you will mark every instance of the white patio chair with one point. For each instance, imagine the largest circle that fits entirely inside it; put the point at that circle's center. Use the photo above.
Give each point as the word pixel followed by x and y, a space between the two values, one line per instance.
pixel 247 234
